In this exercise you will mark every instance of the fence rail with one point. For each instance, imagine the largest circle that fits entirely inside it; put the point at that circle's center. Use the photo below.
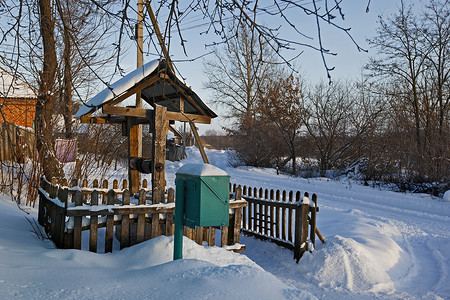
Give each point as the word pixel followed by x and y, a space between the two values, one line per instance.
pixel 280 217
pixel 65 212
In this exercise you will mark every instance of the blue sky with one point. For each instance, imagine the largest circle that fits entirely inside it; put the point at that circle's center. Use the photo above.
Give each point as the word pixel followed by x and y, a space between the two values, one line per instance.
pixel 348 62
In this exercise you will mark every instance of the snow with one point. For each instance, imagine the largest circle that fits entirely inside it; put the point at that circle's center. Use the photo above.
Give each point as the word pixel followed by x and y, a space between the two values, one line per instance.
pixel 446 197
pixel 379 245
pixel 118 87
pixel 201 170
pixel 11 87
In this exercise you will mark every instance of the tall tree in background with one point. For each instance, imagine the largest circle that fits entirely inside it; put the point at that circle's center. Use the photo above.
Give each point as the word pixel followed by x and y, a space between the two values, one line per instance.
pixel 238 72
pixel 280 102
pixel 413 56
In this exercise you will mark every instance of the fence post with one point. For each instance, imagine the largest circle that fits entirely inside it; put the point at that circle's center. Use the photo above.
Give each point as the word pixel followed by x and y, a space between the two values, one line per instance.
pixel 140 233
pixel 169 216
pixel 301 230
pixel 77 222
pixel 111 197
pixel 312 234
pixel 41 203
pixel 60 220
pixel 94 224
pixel 125 233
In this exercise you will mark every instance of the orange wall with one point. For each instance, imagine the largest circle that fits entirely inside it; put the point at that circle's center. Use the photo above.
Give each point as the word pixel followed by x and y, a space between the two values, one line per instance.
pixel 18 111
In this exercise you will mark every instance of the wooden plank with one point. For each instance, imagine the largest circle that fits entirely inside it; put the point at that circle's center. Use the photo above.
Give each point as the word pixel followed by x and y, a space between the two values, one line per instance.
pixel 109 235
pixel 199 235
pixel 312 222
pixel 267 218
pixel 78 200
pixel 125 224
pixel 186 96
pixel 159 36
pixel 128 111
pixel 184 117
pixel 105 195
pixel 140 234
pixel 199 143
pixel 283 218
pixel 301 230
pixel 290 212
pixel 159 155
pixel 169 216
pixel 93 227
pixel 237 225
pixel 224 236
pixel 274 203
pixel 269 238
pixel 211 240
pixel 277 215
pixel 255 216
pixel 251 216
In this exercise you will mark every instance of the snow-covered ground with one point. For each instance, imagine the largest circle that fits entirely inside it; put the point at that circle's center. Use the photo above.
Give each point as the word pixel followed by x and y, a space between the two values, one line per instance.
pixel 379 244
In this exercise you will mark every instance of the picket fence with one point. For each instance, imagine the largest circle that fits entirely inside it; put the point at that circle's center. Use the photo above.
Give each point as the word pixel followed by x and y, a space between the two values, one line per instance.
pixel 281 217
pixel 65 212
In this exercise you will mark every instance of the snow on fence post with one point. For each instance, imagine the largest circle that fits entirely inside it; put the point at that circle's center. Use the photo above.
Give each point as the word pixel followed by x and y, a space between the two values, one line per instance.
pixel 93 228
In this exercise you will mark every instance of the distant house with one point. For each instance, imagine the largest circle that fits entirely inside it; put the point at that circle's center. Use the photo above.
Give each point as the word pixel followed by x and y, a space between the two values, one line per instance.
pixel 17 100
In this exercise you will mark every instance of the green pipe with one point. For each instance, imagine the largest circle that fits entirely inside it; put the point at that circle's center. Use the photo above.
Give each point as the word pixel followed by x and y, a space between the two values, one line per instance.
pixel 179 212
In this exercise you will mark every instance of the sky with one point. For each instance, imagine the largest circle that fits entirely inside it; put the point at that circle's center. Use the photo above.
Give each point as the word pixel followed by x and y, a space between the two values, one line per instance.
pixel 348 62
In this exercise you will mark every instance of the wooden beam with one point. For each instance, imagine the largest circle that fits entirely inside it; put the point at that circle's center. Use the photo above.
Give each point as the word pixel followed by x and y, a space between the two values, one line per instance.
pixel 159 35
pixel 147 82
pixel 175 131
pixel 159 154
pixel 186 96
pixel 128 111
pixel 199 143
pixel 183 117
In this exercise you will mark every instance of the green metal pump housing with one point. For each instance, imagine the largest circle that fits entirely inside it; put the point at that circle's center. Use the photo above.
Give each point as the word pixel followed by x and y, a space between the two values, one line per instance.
pixel 202 199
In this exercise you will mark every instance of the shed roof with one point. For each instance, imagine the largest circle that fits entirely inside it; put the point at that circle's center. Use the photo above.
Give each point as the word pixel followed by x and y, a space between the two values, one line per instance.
pixel 158 85
pixel 12 87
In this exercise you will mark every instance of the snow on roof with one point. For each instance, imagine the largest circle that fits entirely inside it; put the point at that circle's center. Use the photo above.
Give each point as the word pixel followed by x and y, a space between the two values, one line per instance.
pixel 11 87
pixel 201 170
pixel 118 87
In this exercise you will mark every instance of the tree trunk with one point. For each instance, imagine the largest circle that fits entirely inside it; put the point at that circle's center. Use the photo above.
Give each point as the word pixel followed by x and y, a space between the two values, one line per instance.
pixel 67 89
pixel 43 117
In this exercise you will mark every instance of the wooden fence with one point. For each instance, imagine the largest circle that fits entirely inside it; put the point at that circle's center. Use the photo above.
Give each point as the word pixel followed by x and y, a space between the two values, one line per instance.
pixel 16 143
pixel 65 212
pixel 280 217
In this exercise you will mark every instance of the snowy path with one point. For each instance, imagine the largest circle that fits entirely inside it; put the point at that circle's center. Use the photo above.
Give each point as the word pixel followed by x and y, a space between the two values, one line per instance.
pixel 418 224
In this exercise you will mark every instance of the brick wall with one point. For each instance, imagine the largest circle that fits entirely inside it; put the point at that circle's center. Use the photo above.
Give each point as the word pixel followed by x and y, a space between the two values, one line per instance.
pixel 19 111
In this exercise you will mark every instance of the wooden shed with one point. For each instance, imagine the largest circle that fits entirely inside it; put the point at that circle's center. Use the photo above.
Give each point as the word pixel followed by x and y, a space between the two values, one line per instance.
pixel 168 98
pixel 17 101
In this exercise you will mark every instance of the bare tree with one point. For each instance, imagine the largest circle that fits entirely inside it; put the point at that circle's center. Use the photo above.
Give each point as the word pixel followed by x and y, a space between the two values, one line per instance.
pixel 281 102
pixel 238 72
pixel 413 56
